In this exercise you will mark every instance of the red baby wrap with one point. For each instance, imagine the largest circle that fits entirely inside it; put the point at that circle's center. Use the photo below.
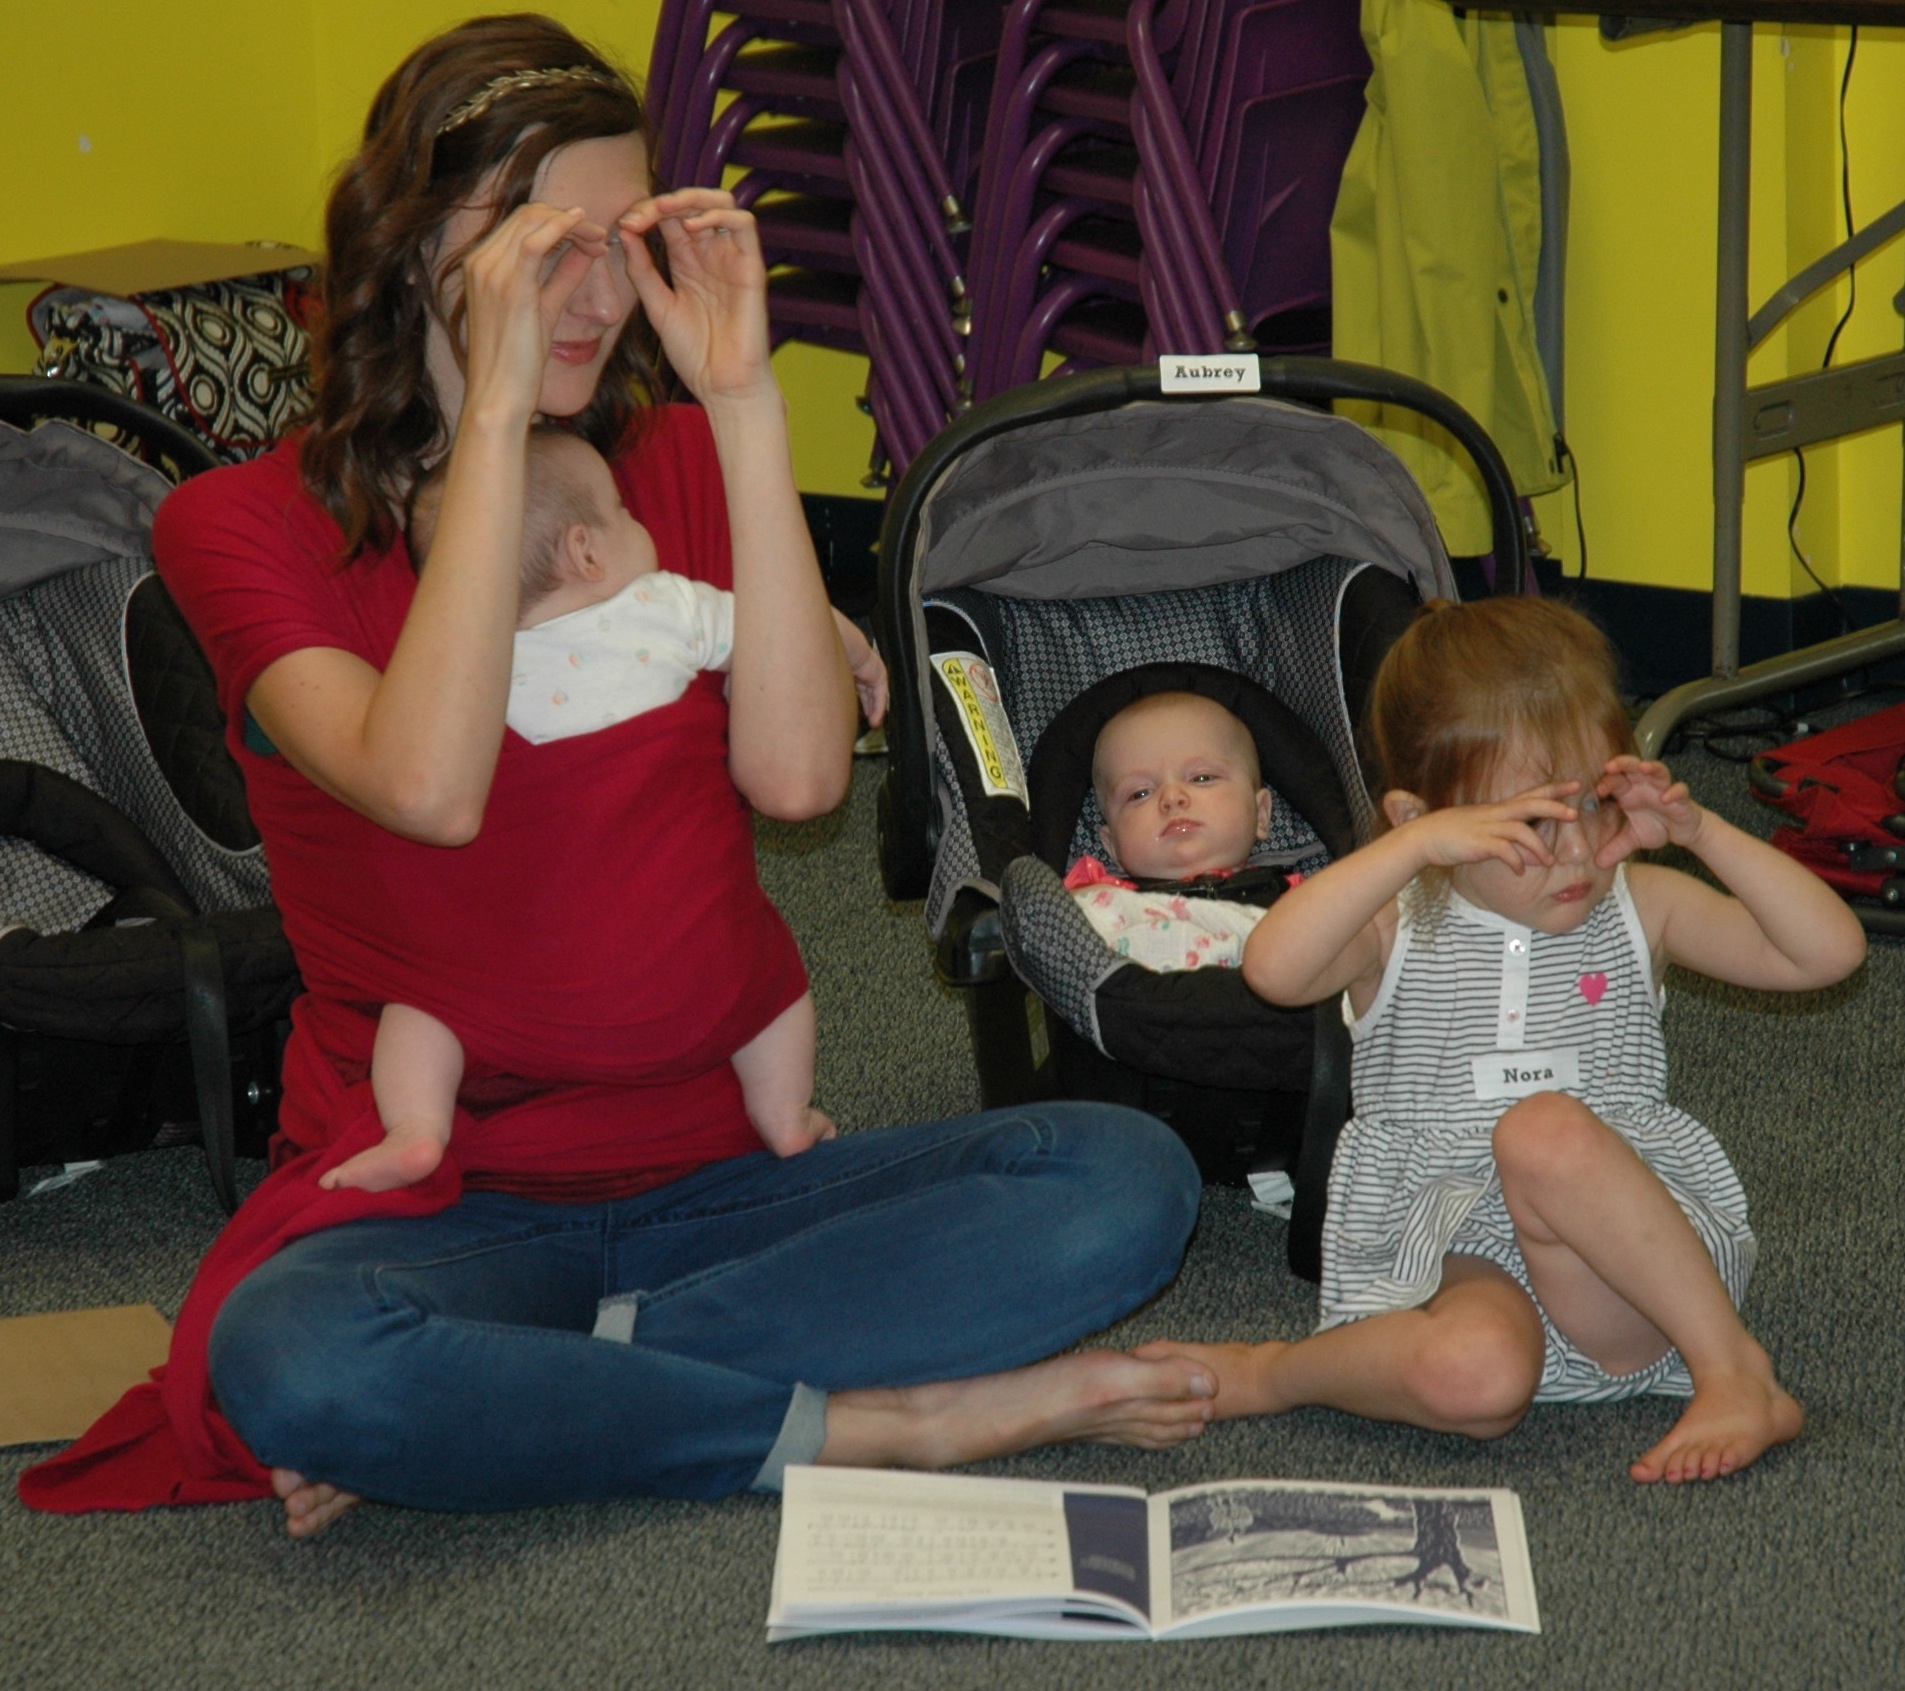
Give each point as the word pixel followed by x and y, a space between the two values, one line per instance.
pixel 602 948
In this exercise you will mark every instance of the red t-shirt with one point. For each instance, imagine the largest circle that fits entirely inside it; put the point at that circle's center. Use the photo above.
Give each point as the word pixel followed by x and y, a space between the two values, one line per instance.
pixel 602 947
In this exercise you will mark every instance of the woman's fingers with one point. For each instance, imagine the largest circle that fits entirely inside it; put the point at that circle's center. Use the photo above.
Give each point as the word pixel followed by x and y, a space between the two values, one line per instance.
pixel 516 283
pixel 683 203
pixel 537 248
pixel 710 312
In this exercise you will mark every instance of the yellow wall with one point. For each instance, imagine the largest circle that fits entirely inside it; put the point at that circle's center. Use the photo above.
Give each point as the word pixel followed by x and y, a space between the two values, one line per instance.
pixel 1643 127
pixel 222 120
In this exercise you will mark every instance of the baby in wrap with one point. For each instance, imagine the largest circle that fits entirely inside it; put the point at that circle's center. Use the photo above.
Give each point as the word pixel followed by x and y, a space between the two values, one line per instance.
pixel 603 634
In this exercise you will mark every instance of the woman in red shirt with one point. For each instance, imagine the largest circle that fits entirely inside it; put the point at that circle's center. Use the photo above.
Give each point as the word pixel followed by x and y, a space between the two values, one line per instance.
pixel 607 1288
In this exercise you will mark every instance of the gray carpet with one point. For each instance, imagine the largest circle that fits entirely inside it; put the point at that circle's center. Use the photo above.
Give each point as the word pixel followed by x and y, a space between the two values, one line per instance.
pixel 1788 1575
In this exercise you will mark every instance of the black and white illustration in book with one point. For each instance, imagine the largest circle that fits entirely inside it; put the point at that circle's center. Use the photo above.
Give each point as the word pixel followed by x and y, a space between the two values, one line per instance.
pixel 1234 1546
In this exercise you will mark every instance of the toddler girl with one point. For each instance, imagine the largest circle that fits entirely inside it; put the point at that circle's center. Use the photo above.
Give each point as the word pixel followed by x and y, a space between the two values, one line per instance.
pixel 1516 1213
pixel 603 634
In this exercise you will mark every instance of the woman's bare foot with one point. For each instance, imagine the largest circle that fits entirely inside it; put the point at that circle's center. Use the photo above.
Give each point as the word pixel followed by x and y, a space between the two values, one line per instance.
pixel 402 1159
pixel 1730 1420
pixel 1245 1374
pixel 309 1508
pixel 1099 1396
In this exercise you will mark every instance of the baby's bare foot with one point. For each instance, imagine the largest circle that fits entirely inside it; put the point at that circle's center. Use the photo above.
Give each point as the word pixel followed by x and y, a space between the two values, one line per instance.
pixel 1245 1374
pixel 1099 1396
pixel 1731 1419
pixel 401 1160
pixel 309 1508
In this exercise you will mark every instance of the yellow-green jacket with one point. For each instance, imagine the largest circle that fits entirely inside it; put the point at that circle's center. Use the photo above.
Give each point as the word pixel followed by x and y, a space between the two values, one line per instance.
pixel 1435 246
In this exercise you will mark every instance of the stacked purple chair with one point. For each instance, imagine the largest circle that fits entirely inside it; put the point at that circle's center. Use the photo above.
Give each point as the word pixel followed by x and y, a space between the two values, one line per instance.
pixel 1159 177
pixel 962 190
pixel 849 129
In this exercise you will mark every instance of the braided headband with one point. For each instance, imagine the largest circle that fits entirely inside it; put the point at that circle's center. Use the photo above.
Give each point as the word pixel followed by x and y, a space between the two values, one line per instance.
pixel 580 76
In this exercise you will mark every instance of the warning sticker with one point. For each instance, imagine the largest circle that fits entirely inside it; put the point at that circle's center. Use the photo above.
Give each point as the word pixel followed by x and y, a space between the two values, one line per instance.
pixel 970 680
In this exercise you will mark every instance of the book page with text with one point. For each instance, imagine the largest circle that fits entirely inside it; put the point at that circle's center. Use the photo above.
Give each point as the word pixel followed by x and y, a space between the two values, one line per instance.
pixel 851 1537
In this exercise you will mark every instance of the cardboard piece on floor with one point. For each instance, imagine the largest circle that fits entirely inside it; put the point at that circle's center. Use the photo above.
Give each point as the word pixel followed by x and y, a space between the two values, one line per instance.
pixel 144 265
pixel 60 1373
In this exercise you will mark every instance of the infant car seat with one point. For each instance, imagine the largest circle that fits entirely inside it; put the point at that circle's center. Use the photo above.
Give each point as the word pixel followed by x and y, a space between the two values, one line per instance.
pixel 144 973
pixel 1082 529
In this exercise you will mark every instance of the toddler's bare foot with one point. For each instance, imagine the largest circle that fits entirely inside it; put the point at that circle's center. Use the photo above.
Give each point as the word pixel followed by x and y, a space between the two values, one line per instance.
pixel 1100 1396
pixel 1244 1373
pixel 309 1508
pixel 797 1134
pixel 1731 1418
pixel 401 1160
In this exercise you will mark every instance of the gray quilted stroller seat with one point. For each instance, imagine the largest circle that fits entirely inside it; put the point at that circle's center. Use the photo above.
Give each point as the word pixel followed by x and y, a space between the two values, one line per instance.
pixel 1074 533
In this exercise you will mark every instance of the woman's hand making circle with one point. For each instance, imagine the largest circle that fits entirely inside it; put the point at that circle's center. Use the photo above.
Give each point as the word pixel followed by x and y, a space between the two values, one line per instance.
pixel 516 284
pixel 710 313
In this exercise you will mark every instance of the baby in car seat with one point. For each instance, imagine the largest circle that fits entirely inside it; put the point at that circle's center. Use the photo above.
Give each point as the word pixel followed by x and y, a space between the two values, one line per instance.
pixel 604 634
pixel 1178 781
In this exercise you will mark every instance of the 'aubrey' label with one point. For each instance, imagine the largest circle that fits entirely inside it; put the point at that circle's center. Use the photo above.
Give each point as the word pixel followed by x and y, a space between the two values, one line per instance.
pixel 1222 372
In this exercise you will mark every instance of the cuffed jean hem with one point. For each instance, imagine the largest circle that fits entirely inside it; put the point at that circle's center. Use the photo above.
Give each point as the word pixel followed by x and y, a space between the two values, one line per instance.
pixel 802 1434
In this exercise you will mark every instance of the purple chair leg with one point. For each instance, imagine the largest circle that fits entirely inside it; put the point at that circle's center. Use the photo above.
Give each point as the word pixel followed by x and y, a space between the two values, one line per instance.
pixel 1161 142
pixel 890 167
pixel 867 31
pixel 1029 350
pixel 1011 213
pixel 1176 305
pixel 1015 299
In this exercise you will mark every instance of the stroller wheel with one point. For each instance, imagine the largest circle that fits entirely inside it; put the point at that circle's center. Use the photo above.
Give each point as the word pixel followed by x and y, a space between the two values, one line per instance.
pixel 906 864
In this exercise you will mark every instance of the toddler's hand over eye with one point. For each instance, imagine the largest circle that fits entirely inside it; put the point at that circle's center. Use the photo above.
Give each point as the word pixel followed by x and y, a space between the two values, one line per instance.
pixel 1656 809
pixel 1510 829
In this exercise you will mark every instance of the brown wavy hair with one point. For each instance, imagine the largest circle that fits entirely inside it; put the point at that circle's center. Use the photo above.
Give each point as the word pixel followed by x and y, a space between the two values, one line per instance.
pixel 1468 684
pixel 375 417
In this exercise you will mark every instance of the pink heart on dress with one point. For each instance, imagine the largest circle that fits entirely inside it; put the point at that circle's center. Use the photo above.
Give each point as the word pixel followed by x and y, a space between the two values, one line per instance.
pixel 1593 987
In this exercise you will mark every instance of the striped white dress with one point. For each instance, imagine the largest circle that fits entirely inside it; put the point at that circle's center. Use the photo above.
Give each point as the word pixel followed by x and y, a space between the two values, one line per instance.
pixel 1472 1003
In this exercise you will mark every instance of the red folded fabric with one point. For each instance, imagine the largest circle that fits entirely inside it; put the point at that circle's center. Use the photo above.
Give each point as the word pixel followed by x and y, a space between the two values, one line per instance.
pixel 166 1442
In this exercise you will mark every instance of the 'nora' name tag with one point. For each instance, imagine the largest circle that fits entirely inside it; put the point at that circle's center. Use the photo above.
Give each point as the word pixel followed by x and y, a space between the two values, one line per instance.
pixel 1521 1074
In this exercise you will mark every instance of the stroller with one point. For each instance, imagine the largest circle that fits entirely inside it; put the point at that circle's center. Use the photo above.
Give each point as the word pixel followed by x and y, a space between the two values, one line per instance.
pixel 1063 548
pixel 144 973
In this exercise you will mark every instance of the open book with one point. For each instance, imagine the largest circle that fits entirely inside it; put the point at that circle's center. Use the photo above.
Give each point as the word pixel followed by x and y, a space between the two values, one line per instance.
pixel 865 1549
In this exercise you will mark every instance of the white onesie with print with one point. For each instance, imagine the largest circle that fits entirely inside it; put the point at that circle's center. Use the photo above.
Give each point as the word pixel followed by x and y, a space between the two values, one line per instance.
pixel 598 666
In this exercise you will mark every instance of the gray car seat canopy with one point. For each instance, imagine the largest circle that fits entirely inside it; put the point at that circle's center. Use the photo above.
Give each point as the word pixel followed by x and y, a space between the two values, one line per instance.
pixel 1141 500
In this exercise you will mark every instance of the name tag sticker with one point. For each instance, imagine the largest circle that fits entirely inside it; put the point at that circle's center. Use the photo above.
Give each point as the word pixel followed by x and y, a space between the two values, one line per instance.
pixel 1217 372
pixel 1521 1074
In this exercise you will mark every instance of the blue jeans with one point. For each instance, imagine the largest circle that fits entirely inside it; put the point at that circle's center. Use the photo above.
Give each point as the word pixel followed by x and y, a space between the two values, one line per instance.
pixel 448 1362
